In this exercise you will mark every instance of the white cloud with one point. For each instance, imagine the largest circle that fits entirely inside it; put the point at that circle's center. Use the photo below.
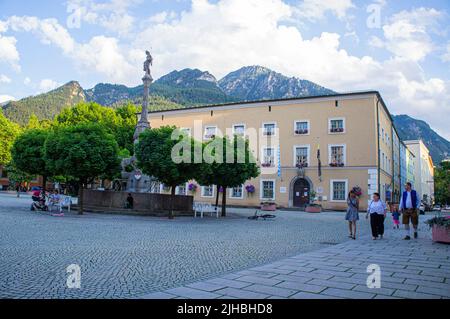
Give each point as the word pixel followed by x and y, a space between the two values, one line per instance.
pixel 48 30
pixel 8 51
pixel 47 85
pixel 4 79
pixel 102 54
pixel 6 98
pixel 112 15
pixel 408 33
pixel 230 34
pixel 316 10
pixel 26 81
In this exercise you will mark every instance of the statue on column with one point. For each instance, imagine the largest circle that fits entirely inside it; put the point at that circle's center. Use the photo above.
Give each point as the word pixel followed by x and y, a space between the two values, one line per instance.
pixel 148 62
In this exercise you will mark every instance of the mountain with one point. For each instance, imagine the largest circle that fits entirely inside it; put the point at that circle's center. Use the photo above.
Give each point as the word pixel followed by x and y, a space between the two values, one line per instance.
pixel 260 83
pixel 412 129
pixel 46 105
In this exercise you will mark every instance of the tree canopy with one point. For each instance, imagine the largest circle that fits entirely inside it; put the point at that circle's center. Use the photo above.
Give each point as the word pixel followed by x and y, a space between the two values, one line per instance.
pixel 8 132
pixel 231 164
pixel 81 152
pixel 28 153
pixel 155 156
pixel 442 183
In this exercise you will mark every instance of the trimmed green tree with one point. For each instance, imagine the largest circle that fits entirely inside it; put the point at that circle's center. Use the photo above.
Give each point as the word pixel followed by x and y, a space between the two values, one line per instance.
pixel 82 153
pixel 168 155
pixel 231 163
pixel 442 183
pixel 8 132
pixel 28 153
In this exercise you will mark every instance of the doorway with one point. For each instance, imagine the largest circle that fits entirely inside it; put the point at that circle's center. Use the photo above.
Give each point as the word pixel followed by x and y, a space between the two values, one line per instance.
pixel 301 191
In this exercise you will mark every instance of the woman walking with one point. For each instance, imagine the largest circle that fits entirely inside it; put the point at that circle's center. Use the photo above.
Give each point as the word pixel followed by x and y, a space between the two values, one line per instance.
pixel 352 213
pixel 377 210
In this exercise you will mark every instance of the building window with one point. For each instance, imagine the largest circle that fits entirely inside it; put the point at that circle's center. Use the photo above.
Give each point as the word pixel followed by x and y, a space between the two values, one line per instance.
pixel 269 128
pixel 156 187
pixel 181 189
pixel 338 190
pixel 337 155
pixel 208 191
pixel 301 127
pixel 239 129
pixel 301 156
pixel 210 132
pixel 268 189
pixel 268 157
pixel 336 125
pixel 237 192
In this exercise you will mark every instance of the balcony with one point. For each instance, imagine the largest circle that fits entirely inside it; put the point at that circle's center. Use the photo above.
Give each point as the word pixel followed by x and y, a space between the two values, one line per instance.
pixel 301 165
pixel 337 164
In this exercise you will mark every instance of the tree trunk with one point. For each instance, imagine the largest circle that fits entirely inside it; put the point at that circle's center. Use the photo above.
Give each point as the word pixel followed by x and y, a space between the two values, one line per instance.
pixel 44 182
pixel 80 199
pixel 217 196
pixel 172 199
pixel 224 201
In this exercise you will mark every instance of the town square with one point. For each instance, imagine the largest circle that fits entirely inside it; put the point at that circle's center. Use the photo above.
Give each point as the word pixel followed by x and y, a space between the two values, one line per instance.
pixel 168 152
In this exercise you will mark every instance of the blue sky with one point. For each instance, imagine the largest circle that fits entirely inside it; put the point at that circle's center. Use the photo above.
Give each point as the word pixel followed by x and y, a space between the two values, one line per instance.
pixel 401 48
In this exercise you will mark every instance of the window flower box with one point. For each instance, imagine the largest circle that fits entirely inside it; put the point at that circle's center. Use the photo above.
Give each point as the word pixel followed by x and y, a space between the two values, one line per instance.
pixel 299 132
pixel 192 187
pixel 301 165
pixel 250 188
pixel 266 164
pixel 337 130
pixel 209 136
pixel 268 206
pixel 337 164
pixel 269 133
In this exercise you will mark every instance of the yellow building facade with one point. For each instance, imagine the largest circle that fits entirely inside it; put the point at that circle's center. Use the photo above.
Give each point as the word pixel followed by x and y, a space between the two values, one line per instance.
pixel 353 132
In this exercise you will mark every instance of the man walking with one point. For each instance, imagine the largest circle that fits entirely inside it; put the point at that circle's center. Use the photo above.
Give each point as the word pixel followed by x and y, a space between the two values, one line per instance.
pixel 409 204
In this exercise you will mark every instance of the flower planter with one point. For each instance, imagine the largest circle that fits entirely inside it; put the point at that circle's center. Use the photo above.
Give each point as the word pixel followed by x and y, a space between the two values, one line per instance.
pixel 269 207
pixel 441 234
pixel 313 209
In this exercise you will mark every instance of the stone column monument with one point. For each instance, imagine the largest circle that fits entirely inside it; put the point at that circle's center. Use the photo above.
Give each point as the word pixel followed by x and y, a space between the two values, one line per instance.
pixel 143 123
pixel 136 181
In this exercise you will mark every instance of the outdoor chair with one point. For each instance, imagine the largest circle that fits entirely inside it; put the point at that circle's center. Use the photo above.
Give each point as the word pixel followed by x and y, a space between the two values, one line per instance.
pixel 65 201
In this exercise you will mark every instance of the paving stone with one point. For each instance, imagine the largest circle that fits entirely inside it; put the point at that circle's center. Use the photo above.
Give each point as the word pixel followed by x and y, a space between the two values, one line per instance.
pixel 413 295
pixel 301 286
pixel 206 286
pixel 228 283
pixel 434 291
pixel 431 284
pixel 241 294
pixel 292 278
pixel 378 291
pixel 310 275
pixel 271 290
pixel 331 283
pixel 307 295
pixel 344 293
pixel 190 293
pixel 158 295
pixel 258 280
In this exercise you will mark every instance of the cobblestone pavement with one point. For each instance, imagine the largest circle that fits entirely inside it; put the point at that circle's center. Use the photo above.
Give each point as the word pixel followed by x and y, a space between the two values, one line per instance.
pixel 409 269
pixel 129 256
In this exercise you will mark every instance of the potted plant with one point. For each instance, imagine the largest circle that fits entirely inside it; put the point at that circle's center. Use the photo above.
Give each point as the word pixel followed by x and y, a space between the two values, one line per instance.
pixel 311 207
pixel 268 206
pixel 440 228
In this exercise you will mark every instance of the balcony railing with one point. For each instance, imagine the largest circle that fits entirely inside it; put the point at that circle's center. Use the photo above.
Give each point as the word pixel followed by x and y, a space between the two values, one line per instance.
pixel 336 129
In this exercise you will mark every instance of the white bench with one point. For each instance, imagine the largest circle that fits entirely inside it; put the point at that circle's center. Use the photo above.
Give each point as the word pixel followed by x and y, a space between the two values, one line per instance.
pixel 202 208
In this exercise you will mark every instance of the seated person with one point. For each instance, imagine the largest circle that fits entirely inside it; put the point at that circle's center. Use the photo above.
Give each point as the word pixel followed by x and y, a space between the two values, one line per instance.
pixel 54 199
pixel 129 201
pixel 36 195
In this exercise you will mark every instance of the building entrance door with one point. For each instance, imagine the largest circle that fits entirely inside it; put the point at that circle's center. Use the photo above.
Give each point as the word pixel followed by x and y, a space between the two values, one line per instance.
pixel 301 192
